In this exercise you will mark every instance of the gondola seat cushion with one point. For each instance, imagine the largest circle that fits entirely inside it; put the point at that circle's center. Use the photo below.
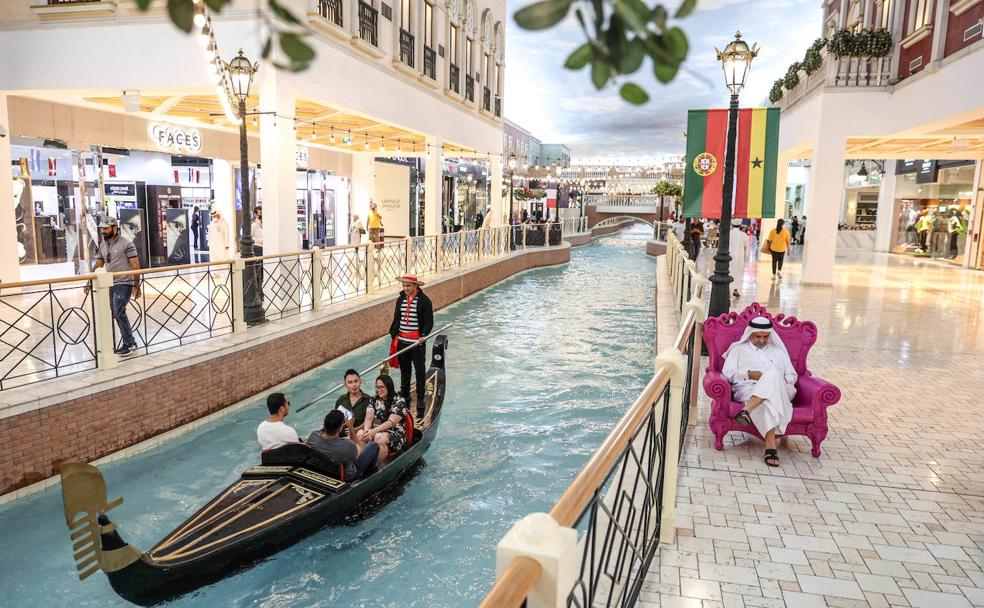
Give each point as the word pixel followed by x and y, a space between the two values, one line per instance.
pixel 301 455
pixel 813 395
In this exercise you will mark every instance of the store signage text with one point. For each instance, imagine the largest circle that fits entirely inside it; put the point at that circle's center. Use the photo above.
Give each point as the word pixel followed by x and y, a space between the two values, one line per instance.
pixel 302 156
pixel 121 190
pixel 168 137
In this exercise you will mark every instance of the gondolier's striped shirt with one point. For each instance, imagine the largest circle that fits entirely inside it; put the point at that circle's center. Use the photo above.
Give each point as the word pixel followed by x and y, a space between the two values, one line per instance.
pixel 408 320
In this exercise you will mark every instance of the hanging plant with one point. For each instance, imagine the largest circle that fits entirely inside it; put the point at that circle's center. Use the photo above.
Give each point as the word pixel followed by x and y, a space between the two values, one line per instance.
pixel 879 43
pixel 792 76
pixel 775 94
pixel 844 43
pixel 812 59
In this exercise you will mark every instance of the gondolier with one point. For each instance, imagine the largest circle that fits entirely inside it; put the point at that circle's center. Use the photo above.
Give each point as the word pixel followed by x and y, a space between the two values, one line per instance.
pixel 413 319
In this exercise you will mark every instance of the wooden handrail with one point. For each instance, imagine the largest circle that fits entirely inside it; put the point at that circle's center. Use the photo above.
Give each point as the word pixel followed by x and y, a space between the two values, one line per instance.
pixel 514 585
pixel 577 496
pixel 81 277
pixel 681 340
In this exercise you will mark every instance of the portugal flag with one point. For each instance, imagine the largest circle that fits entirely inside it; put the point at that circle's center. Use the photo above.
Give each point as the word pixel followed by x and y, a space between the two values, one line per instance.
pixel 755 165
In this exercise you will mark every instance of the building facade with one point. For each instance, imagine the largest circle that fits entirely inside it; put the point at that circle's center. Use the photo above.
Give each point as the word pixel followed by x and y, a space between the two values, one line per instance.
pixel 558 155
pixel 154 131
pixel 908 105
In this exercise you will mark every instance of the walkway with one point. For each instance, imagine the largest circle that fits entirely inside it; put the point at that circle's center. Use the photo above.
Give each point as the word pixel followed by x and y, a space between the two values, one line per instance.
pixel 892 513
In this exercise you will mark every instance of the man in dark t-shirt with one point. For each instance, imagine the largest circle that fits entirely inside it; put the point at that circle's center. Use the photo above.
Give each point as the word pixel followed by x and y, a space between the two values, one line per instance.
pixel 353 402
pixel 354 458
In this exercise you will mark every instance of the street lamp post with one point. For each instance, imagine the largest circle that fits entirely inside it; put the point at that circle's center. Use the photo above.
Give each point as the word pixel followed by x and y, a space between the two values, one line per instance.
pixel 512 173
pixel 735 59
pixel 241 73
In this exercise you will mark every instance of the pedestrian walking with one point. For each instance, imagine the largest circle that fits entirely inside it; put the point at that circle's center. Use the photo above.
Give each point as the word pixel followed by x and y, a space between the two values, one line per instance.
pixel 794 227
pixel 777 244
pixel 375 222
pixel 218 237
pixel 356 230
pixel 738 248
pixel 116 253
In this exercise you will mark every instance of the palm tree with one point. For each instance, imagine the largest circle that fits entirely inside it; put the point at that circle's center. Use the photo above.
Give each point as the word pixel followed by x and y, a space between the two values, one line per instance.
pixel 664 188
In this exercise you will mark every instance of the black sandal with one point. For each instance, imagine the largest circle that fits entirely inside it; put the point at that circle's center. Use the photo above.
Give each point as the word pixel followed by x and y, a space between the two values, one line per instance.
pixel 743 418
pixel 772 457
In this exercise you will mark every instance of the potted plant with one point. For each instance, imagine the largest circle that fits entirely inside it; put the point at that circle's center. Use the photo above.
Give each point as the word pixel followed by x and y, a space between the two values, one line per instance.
pixel 775 94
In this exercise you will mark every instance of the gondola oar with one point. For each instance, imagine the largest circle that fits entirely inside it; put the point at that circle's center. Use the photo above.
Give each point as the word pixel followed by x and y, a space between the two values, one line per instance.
pixel 370 368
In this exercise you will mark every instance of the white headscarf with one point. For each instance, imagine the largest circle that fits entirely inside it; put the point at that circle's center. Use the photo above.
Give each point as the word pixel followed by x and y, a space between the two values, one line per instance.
pixel 756 325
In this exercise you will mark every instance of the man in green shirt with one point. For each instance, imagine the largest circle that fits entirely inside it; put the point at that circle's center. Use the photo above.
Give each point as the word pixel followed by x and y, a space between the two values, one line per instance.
pixel 354 402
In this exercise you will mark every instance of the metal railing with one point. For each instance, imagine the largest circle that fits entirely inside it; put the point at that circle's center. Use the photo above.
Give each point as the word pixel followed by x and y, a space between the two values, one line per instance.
pixel 498 106
pixel 454 77
pixel 368 23
pixel 855 72
pixel 600 537
pixel 407 45
pixel 624 200
pixel 49 329
pixel 430 63
pixel 469 87
pixel 573 225
pixel 332 11
pixel 486 99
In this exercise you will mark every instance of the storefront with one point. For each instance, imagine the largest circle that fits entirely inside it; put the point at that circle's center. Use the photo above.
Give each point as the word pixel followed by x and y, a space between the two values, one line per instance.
pixel 467 188
pixel 934 208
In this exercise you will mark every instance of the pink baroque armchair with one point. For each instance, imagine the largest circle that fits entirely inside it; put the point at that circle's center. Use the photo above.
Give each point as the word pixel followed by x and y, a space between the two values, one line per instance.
pixel 813 395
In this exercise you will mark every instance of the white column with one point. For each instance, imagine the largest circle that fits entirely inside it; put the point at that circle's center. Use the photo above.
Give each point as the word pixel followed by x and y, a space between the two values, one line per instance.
pixel 886 218
pixel 9 260
pixel 363 180
pixel 433 184
pixel 826 188
pixel 224 187
pixel 496 212
pixel 278 161
pixel 939 30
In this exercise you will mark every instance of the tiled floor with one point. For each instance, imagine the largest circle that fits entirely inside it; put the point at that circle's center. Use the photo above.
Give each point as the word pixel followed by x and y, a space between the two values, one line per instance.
pixel 892 513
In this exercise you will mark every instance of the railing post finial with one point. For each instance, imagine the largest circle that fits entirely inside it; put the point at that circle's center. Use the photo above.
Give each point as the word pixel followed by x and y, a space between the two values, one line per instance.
pixel 539 536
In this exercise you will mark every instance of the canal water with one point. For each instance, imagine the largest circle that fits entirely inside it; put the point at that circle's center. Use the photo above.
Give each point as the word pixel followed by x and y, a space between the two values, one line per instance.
pixel 540 367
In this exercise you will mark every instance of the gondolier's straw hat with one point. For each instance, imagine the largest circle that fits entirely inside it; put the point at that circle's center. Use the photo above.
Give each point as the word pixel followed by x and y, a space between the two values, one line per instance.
pixel 409 278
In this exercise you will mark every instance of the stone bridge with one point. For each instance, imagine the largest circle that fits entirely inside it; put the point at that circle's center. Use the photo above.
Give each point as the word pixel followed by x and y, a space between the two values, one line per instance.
pixel 644 208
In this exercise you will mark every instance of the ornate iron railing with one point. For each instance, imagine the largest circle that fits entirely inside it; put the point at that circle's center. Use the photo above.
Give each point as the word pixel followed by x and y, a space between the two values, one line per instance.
pixel 391 261
pixel 486 99
pixel 450 250
pixel 368 23
pixel 486 243
pixel 47 330
pixel 430 63
pixel 343 273
pixel 331 10
pixel 469 252
pixel 287 285
pixel 179 305
pixel 498 106
pixel 454 78
pixel 469 87
pixel 407 47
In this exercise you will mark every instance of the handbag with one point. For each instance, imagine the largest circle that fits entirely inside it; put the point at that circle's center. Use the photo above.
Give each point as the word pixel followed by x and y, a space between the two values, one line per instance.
pixel 766 246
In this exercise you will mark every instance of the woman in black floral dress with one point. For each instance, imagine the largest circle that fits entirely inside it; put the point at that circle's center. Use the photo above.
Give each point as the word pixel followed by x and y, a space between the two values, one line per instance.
pixel 385 417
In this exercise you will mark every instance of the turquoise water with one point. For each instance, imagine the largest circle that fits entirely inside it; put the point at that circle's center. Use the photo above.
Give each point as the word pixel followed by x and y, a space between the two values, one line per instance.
pixel 540 367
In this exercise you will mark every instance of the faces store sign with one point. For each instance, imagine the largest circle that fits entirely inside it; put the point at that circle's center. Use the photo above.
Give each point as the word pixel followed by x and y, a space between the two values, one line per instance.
pixel 176 138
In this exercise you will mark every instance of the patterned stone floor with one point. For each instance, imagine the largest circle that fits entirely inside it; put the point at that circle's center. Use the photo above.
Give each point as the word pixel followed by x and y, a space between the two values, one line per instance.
pixel 892 513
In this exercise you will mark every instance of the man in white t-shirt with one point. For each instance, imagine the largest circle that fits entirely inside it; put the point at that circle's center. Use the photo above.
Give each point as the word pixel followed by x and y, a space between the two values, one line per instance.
pixel 274 432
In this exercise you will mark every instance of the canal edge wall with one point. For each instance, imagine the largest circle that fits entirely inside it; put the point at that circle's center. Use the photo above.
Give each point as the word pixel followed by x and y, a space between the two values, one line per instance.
pixel 175 391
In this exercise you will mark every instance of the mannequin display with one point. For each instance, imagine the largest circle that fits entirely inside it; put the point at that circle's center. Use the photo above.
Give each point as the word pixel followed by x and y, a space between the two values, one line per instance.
pixel 952 228
pixel 923 225
pixel 938 236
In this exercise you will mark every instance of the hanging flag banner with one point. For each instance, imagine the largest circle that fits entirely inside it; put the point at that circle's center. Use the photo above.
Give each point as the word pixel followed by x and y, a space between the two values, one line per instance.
pixel 755 164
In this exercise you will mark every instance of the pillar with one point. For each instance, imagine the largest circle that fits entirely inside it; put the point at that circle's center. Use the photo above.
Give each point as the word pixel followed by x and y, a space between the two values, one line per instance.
pixel 433 185
pixel 363 181
pixel 885 220
pixel 278 161
pixel 555 547
pixel 826 189
pixel 495 215
pixel 9 260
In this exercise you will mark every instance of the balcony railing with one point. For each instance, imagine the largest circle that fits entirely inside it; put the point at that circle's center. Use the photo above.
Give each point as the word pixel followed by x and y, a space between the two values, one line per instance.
pixel 454 76
pixel 469 87
pixel 368 23
pixel 855 72
pixel 331 10
pixel 486 99
pixel 498 106
pixel 430 63
pixel 406 47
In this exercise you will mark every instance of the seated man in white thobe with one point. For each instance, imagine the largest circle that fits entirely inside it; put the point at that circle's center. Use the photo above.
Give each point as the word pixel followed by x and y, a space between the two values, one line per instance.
pixel 763 378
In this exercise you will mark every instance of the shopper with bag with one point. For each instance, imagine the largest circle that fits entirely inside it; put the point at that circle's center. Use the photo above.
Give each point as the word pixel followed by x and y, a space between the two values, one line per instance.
pixel 777 244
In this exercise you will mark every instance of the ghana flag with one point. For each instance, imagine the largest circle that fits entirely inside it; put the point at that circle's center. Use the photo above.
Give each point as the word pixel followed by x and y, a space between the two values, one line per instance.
pixel 755 165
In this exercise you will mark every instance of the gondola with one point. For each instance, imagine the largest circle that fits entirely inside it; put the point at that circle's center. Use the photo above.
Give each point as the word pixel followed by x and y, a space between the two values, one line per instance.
pixel 293 493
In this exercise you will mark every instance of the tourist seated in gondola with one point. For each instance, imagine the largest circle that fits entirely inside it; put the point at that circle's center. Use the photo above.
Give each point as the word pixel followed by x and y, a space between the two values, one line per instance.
pixel 353 403
pixel 274 432
pixel 356 458
pixel 385 419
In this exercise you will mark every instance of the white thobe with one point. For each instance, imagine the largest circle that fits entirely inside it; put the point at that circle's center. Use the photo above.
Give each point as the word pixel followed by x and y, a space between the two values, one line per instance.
pixel 738 248
pixel 776 387
pixel 218 241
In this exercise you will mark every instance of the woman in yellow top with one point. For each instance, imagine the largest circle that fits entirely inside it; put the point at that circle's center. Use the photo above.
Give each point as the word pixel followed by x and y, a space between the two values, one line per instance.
pixel 779 240
pixel 375 224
